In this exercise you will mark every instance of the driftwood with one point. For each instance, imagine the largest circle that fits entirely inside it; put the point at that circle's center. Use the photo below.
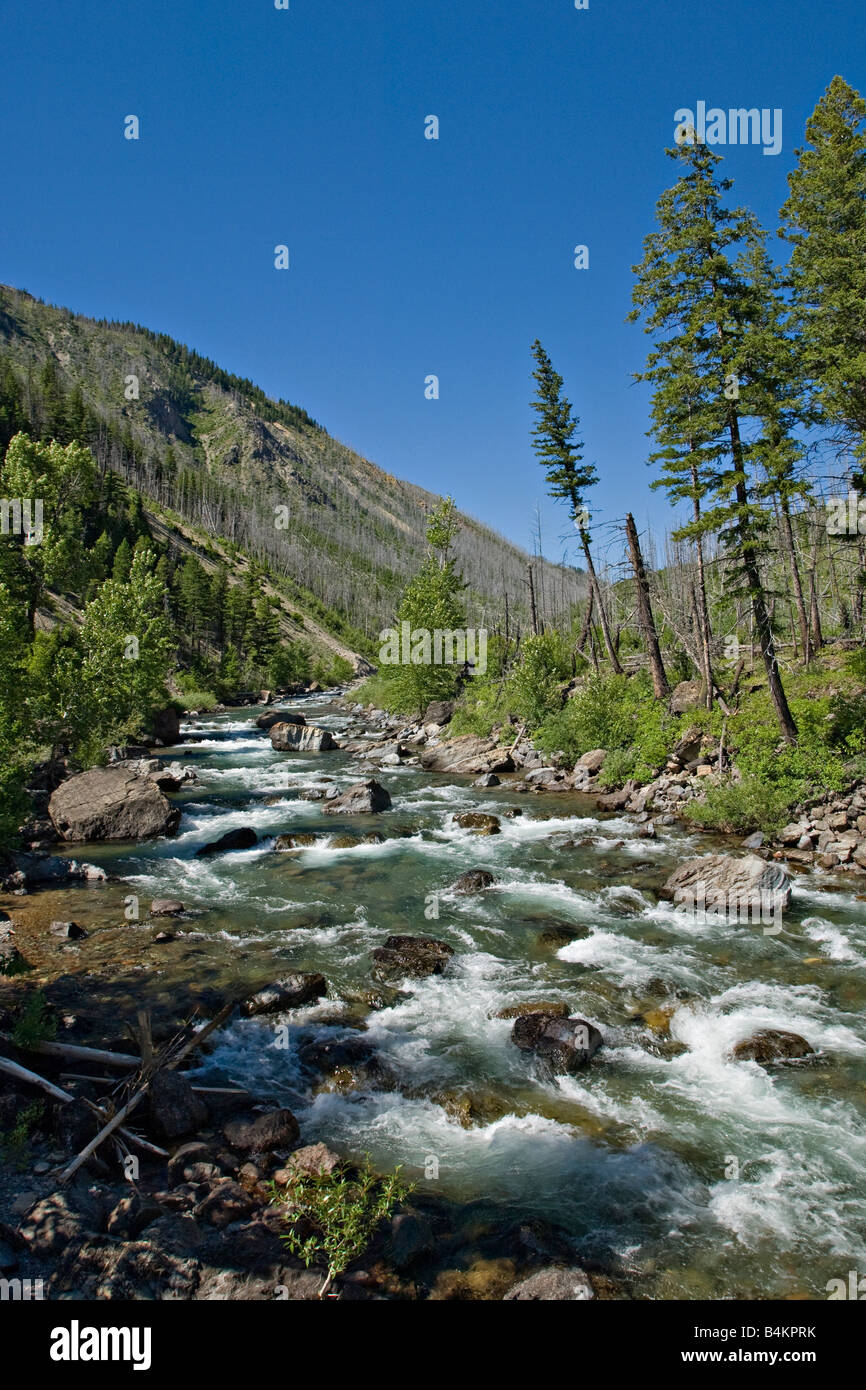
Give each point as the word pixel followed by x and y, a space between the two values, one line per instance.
pixel 168 1065
pixel 80 1054
pixel 32 1078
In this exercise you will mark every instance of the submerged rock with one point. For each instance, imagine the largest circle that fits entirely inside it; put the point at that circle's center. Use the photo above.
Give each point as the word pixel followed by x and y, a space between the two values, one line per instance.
pixel 549 1007
pixel 166 907
pixel 276 1129
pixel 417 956
pixel 771 1045
pixel 474 881
pixel 481 824
pixel 111 803
pixel 244 838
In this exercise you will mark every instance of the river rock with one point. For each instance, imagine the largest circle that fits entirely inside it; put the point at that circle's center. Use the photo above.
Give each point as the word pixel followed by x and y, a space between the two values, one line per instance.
pixel 165 725
pixel 111 803
pixel 288 993
pixel 302 841
pixel 297 738
pixel 593 761
pixel 747 883
pixel 276 1129
pixel 467 756
pixel 166 907
pixel 771 1045
pixel 362 798
pixel 417 956
pixel 277 716
pixel 438 712
pixel 68 931
pixel 314 1160
pixel 474 881
pixel 563 1044
pixel 549 1007
pixel 175 1109
pixel 552 1284
pixel 243 838
pixel 481 824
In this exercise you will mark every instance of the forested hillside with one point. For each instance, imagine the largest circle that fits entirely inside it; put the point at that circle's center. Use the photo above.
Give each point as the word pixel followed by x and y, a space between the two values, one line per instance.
pixel 259 474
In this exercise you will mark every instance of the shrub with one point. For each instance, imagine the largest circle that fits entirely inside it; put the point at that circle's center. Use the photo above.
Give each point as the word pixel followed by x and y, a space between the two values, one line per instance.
pixel 344 1208
pixel 741 807
pixel 533 686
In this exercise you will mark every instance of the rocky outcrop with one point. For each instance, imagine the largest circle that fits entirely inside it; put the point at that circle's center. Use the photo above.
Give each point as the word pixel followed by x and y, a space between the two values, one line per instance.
pixel 362 798
pixel 772 1045
pixel 467 756
pixel 724 882
pixel 300 738
pixel 561 1044
pixel 417 956
pixel 111 803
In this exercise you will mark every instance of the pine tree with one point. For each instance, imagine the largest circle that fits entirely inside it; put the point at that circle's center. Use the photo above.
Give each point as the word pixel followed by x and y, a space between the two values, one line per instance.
pixel 122 561
pixel 824 219
pixel 559 451
pixel 698 306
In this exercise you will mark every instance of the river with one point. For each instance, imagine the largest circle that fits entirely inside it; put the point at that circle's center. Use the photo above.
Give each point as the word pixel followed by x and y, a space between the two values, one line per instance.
pixel 682 1172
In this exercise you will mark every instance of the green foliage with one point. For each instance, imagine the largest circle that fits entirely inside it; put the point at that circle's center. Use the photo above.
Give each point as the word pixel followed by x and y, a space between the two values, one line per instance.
pixel 616 713
pixel 742 807
pixel 484 702
pixel 15 1142
pixel 344 1209
pixel 34 1024
pixel 534 687
pixel 430 602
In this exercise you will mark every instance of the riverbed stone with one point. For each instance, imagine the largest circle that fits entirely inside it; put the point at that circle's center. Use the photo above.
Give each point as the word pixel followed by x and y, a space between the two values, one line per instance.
pixel 416 956
pixel 279 716
pixel 175 1109
pixel 478 822
pixel 111 803
pixel 275 1129
pixel 291 992
pixel 243 838
pixel 562 1044
pixel 474 881
pixel 362 798
pixel 166 907
pixel 771 1045
pixel 747 882
pixel 552 1284
pixel 549 1007
pixel 297 738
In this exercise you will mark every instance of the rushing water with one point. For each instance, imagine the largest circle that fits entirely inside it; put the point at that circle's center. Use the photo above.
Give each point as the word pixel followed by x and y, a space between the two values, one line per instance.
pixel 634 1156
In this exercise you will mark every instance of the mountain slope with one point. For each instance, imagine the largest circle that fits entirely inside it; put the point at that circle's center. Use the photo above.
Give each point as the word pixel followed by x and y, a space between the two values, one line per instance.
pixel 259 474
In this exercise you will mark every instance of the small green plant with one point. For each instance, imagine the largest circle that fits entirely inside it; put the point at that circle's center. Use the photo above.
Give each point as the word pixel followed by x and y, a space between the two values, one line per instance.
pixel 15 1142
pixel 738 808
pixel 344 1209
pixel 34 1024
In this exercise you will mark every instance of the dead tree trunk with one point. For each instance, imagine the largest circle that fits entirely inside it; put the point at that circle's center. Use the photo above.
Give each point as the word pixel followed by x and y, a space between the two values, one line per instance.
pixel 646 621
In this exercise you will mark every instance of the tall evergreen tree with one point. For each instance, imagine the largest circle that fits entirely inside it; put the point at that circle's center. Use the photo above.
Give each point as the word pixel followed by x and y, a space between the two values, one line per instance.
pixel 697 304
pixel 824 219
pixel 559 452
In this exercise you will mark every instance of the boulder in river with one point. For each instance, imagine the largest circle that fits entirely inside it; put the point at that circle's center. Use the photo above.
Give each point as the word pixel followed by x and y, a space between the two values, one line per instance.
pixel 279 716
pixel 417 956
pixel 243 838
pixel 593 761
pixel 298 738
pixel 289 993
pixel 549 1007
pixel 474 881
pixel 552 1284
pixel 772 1045
pixel 738 885
pixel 481 824
pixel 467 756
pixel 563 1044
pixel 68 931
pixel 275 1129
pixel 111 803
pixel 175 1109
pixel 362 798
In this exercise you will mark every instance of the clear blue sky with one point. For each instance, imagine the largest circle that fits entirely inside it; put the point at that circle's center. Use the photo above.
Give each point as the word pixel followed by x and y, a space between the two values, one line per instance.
pixel 408 257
